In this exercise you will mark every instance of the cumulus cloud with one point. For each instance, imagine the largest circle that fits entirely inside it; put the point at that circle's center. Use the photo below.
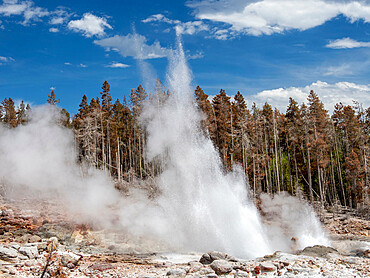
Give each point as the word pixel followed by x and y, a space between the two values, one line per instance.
pixel 54 30
pixel 346 43
pixel 27 8
pixel 83 66
pixel 134 45
pixel 9 7
pixel 117 65
pixel 90 25
pixel 187 28
pixel 330 94
pixel 265 17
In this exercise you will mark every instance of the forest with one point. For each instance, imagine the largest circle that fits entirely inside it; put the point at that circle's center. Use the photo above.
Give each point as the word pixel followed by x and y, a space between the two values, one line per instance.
pixel 304 150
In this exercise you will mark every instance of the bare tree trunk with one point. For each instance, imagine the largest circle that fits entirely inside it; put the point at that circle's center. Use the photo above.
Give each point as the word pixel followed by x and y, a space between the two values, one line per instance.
pixel 276 155
pixel 309 166
pixel 118 161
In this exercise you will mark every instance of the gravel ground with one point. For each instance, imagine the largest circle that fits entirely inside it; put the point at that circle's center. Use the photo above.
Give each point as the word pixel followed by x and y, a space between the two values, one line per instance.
pixel 28 240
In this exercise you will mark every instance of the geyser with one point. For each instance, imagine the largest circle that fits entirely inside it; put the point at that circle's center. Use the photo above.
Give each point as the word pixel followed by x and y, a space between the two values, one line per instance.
pixel 204 207
pixel 201 208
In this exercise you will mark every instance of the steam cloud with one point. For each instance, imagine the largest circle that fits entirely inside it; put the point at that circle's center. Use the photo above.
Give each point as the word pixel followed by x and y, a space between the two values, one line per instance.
pixel 201 207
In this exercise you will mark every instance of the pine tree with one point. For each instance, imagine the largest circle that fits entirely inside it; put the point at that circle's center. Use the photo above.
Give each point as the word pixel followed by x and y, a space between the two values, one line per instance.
pixel 106 99
pixel 9 113
pixel 52 98
pixel 222 109
pixel 206 108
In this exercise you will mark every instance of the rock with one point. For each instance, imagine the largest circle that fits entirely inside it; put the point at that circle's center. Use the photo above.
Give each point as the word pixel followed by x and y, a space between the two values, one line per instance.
pixel 363 253
pixel 34 239
pixel 101 266
pixel 257 270
pixel 221 267
pixel 285 263
pixel 29 251
pixel 209 257
pixel 15 246
pixel 8 254
pixel 212 275
pixel 318 251
pixel 206 271
pixel 41 246
pixel 268 267
pixel 241 273
pixel 69 257
pixel 178 272
pixel 21 232
pixel 52 244
pixel 195 266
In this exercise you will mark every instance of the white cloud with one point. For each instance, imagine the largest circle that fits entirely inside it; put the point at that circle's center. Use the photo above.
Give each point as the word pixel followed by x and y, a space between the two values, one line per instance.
pixel 9 8
pixel 187 28
pixel 54 30
pixel 197 55
pixel 26 8
pixel 83 66
pixel 68 64
pixel 134 45
pixel 90 25
pixel 191 27
pixel 52 88
pixel 159 18
pixel 258 17
pixel 330 94
pixel 6 60
pixel 117 65
pixel 346 43
pixel 59 16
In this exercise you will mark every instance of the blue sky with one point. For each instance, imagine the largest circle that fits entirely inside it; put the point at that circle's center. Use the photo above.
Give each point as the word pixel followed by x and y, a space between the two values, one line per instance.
pixel 267 49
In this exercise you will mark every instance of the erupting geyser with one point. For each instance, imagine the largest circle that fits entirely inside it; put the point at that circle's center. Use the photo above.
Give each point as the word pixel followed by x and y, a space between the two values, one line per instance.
pixel 204 208
pixel 201 208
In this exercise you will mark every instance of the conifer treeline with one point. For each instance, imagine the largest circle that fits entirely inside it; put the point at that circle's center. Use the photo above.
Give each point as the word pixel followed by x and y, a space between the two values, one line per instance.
pixel 304 151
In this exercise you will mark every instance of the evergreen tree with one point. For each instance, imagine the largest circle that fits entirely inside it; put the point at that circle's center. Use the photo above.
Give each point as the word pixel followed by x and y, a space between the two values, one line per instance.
pixel 9 113
pixel 52 98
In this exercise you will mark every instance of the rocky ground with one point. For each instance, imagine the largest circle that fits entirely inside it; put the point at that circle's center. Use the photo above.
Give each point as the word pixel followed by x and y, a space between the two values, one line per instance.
pixel 31 244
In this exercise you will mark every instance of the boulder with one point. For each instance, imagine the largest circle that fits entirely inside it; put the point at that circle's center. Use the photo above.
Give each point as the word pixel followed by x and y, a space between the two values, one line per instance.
pixel 209 257
pixel 221 267
pixel 41 246
pixel 268 267
pixel 206 270
pixel 29 251
pixel 34 239
pixel 178 273
pixel 195 266
pixel 69 258
pixel 318 251
pixel 8 254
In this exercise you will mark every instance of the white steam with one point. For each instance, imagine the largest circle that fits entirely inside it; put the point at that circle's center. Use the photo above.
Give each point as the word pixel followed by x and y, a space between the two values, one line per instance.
pixel 287 217
pixel 201 208
pixel 40 156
